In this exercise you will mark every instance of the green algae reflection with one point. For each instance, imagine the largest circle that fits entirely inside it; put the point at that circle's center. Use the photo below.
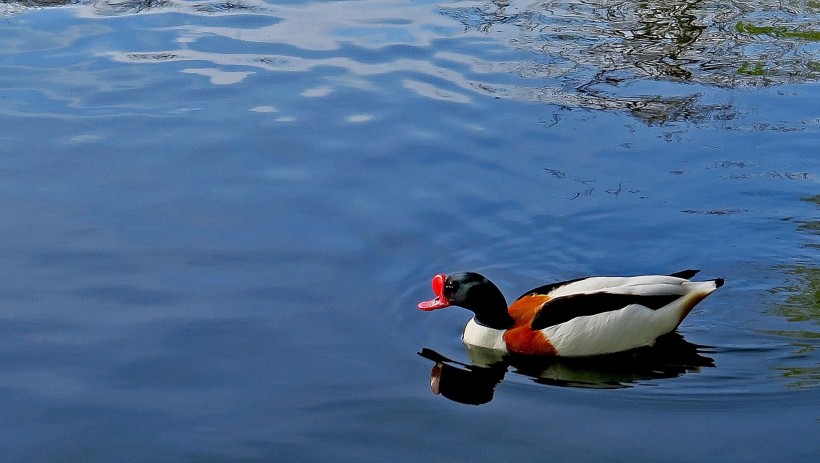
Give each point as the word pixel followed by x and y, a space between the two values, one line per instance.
pixel 801 304
pixel 780 32
pixel 802 301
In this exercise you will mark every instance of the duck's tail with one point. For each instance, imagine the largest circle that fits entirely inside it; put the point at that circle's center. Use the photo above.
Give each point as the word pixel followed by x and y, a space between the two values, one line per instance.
pixel 699 290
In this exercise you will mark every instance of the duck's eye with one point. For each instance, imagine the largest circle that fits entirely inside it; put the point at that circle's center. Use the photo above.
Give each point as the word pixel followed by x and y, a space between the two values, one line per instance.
pixel 451 286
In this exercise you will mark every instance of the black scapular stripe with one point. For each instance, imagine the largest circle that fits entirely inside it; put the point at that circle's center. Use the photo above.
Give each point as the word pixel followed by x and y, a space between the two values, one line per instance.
pixel 565 308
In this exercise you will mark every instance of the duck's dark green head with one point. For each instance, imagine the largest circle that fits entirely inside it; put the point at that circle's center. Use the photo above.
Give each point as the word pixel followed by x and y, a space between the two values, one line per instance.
pixel 473 292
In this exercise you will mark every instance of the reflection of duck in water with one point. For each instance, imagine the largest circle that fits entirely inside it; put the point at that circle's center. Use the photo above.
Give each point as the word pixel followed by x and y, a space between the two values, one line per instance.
pixel 474 383
pixel 576 318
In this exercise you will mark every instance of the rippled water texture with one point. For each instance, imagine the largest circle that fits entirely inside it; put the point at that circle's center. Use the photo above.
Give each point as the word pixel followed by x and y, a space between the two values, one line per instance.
pixel 218 218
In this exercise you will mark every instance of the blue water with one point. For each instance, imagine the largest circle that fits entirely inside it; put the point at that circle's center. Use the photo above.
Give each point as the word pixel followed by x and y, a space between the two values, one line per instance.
pixel 218 218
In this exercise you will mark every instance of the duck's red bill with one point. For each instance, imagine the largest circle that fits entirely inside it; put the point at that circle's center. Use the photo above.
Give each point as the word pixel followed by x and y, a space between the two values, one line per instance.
pixel 440 301
pixel 433 304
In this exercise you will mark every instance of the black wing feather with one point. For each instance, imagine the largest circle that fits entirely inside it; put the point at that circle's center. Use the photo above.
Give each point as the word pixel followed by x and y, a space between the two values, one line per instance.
pixel 685 274
pixel 565 308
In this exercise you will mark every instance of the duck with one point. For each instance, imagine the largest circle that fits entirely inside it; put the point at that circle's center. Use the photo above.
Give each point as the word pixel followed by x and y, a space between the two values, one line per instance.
pixel 575 318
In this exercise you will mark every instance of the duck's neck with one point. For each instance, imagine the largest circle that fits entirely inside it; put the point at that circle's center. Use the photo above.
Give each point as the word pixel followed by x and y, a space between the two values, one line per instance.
pixel 490 308
pixel 498 321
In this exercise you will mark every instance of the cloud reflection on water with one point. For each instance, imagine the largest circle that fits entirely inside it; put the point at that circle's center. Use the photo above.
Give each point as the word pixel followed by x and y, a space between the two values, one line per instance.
pixel 621 56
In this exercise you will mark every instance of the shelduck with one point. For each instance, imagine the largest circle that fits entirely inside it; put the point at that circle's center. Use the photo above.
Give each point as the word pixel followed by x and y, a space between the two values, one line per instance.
pixel 575 318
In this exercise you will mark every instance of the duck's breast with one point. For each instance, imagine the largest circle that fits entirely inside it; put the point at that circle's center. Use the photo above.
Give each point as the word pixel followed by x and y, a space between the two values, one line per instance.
pixel 479 335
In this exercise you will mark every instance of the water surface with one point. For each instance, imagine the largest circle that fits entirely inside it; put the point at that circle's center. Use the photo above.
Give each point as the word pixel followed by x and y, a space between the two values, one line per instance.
pixel 219 216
